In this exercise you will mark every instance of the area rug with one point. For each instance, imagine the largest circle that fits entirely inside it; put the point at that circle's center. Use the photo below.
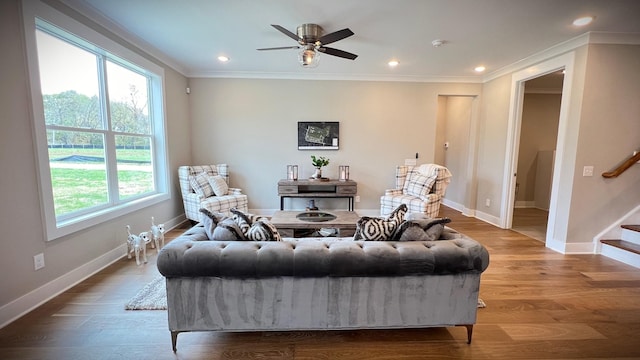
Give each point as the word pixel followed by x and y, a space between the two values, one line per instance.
pixel 152 296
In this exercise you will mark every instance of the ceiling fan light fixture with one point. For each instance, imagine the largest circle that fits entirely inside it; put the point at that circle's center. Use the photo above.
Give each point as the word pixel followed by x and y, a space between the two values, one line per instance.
pixel 309 57
pixel 311 41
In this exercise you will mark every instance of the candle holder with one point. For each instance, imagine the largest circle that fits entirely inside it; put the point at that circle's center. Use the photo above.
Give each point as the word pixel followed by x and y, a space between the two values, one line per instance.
pixel 292 172
pixel 343 172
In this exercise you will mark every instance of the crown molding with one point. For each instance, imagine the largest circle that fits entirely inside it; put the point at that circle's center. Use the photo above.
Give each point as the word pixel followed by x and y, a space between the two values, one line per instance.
pixel 330 76
pixel 614 38
pixel 593 37
pixel 94 15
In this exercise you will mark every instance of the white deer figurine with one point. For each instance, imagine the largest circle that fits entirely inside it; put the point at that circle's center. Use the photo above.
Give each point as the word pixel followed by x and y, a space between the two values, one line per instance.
pixel 157 234
pixel 137 244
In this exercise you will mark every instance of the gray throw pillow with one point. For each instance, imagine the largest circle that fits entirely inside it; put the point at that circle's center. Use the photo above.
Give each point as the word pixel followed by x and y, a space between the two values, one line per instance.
pixel 409 231
pixel 426 229
pixel 228 229
pixel 210 221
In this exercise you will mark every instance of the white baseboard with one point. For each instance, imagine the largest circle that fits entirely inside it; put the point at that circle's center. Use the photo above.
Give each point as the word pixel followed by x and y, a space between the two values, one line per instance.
pixel 614 231
pixel 524 204
pixel 571 248
pixel 30 301
pixel 493 220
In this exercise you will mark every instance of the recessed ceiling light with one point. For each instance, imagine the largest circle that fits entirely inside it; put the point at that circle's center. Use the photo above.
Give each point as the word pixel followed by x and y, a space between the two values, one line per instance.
pixel 393 63
pixel 479 68
pixel 223 58
pixel 586 20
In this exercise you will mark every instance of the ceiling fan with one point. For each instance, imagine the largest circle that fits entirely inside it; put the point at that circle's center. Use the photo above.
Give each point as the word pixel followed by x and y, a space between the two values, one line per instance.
pixel 312 41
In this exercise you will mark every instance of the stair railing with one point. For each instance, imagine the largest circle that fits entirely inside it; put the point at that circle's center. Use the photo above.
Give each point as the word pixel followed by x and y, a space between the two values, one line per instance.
pixel 622 167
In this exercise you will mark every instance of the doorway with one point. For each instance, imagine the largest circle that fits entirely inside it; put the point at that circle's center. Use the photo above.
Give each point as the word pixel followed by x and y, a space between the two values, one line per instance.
pixel 536 154
pixel 562 172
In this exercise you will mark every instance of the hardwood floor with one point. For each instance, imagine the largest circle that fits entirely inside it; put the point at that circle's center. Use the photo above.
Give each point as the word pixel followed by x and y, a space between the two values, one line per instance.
pixel 531 222
pixel 540 305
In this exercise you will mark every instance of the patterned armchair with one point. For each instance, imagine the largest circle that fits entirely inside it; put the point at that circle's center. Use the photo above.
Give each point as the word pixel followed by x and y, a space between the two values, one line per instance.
pixel 421 188
pixel 206 186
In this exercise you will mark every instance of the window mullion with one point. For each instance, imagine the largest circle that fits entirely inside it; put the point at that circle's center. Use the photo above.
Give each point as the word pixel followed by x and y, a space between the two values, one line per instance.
pixel 82 93
pixel 110 142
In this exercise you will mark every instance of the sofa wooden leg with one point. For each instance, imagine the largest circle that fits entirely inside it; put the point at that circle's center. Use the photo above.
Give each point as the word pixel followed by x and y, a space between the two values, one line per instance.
pixel 469 333
pixel 174 340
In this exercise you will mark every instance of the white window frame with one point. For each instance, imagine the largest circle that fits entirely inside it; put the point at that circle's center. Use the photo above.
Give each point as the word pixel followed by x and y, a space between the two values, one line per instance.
pixel 56 228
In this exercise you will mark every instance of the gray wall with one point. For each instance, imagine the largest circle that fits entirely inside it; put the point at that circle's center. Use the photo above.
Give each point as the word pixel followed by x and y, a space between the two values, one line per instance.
pixel 458 124
pixel 602 130
pixel 609 132
pixel 22 234
pixel 252 126
pixel 539 130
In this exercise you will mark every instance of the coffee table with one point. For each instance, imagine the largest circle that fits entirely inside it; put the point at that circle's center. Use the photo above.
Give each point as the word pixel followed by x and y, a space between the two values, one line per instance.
pixel 288 224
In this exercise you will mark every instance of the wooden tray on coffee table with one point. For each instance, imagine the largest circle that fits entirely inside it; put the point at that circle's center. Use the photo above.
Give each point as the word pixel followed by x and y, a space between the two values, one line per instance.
pixel 288 224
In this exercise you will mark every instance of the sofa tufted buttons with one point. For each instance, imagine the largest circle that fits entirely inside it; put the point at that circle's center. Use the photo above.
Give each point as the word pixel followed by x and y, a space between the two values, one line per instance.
pixel 189 256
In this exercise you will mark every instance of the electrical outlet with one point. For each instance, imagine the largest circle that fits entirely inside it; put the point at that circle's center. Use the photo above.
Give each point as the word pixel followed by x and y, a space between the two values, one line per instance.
pixel 587 171
pixel 487 202
pixel 357 198
pixel 38 261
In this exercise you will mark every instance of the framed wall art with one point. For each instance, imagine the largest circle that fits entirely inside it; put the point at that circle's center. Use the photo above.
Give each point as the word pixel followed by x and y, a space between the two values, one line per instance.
pixel 318 135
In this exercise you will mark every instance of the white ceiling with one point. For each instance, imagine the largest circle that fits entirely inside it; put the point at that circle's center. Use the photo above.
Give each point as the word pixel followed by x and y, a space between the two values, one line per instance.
pixel 189 35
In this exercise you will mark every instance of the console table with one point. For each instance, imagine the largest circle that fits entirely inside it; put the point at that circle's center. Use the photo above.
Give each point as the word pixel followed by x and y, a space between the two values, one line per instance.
pixel 345 189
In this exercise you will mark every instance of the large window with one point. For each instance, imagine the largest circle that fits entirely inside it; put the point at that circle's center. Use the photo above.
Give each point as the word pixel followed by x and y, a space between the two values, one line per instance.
pixel 98 121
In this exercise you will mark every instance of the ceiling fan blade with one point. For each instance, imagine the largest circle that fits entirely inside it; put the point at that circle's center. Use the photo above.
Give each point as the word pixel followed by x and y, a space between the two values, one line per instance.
pixel 280 48
pixel 335 36
pixel 286 32
pixel 338 53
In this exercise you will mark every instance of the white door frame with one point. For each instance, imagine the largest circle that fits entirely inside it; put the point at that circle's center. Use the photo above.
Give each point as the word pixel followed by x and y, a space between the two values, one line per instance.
pixel 566 62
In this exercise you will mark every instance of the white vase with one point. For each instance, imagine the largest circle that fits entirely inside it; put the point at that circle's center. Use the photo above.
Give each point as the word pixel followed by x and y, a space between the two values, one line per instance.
pixel 317 174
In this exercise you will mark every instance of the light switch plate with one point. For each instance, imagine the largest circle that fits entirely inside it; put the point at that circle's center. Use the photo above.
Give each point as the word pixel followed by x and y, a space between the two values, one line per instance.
pixel 587 171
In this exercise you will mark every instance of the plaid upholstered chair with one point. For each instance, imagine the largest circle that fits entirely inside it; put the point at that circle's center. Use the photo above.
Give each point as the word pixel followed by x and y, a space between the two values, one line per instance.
pixel 421 188
pixel 206 186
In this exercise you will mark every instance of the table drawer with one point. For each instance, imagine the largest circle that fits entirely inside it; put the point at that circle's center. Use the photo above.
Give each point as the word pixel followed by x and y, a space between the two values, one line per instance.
pixel 348 190
pixel 287 189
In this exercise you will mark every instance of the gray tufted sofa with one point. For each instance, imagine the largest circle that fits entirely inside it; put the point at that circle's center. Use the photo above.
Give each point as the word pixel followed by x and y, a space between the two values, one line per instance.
pixel 320 283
